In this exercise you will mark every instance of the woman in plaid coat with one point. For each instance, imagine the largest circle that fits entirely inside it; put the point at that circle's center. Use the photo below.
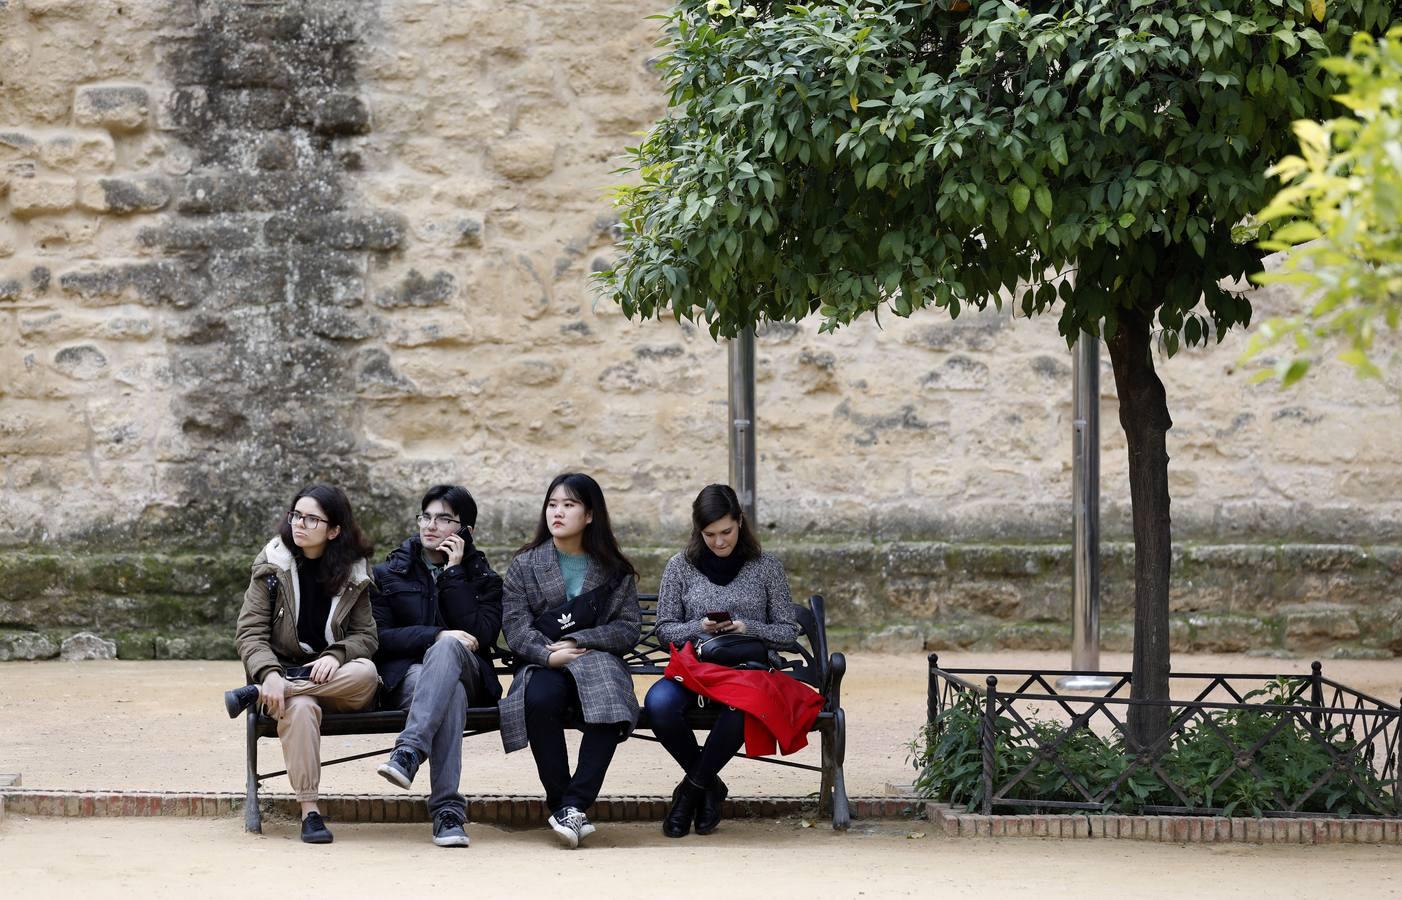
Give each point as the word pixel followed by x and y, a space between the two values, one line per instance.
pixel 574 582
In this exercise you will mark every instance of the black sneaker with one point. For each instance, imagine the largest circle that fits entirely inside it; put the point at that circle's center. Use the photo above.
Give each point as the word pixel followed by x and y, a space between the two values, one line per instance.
pixel 401 767
pixel 448 830
pixel 314 830
pixel 571 825
pixel 239 699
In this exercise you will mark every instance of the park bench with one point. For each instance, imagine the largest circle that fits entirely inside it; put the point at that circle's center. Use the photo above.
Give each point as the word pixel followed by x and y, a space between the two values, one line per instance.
pixel 807 660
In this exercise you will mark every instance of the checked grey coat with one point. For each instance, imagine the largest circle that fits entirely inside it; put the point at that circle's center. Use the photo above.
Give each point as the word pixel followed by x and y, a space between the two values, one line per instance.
pixel 533 585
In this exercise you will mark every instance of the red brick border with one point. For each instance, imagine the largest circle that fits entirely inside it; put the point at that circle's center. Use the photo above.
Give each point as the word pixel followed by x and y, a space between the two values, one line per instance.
pixel 1167 829
pixel 513 811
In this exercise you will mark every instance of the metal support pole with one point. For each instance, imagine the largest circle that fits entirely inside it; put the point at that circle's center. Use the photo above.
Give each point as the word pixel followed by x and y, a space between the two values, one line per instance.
pixel 1085 517
pixel 742 421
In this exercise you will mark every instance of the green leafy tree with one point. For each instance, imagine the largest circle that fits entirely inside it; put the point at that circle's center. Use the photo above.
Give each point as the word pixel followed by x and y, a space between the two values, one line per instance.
pixel 856 157
pixel 1339 217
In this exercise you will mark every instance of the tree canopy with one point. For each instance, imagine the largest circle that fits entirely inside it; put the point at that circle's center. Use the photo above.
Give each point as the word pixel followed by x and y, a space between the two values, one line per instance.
pixel 1339 217
pixel 853 157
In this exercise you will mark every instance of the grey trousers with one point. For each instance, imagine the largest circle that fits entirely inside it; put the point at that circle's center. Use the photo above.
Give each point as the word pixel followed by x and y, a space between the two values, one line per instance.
pixel 435 693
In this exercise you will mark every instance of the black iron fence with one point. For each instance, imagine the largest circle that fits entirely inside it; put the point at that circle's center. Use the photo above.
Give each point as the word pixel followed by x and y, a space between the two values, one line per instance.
pixel 1273 745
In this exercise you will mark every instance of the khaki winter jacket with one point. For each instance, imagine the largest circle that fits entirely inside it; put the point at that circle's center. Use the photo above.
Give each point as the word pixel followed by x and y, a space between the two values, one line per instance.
pixel 267 628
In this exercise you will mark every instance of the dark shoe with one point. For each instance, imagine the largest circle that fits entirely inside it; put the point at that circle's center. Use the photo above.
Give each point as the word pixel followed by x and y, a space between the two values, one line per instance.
pixel 448 830
pixel 708 810
pixel 401 767
pixel 571 825
pixel 685 799
pixel 314 830
pixel 239 699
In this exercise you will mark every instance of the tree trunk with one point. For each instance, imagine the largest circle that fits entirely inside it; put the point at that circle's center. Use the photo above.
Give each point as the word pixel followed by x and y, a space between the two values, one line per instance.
pixel 1145 420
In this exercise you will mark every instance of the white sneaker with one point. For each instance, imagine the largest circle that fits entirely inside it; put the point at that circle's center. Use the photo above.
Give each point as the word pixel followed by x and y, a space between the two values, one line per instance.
pixel 571 825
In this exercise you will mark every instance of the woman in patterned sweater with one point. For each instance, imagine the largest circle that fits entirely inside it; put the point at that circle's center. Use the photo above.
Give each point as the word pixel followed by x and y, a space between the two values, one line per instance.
pixel 722 570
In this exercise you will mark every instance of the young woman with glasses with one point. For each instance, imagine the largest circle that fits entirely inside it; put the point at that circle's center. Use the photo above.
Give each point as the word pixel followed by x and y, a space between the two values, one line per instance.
pixel 306 635
pixel 570 611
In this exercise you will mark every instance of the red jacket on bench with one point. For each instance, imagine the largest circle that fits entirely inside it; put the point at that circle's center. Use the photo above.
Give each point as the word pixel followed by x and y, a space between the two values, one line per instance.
pixel 778 709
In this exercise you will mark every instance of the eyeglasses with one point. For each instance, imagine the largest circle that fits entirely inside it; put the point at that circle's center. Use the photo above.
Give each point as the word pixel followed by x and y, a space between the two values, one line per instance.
pixel 426 520
pixel 311 522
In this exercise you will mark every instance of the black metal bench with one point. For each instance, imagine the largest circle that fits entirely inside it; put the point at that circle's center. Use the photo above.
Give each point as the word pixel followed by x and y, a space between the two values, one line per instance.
pixel 808 660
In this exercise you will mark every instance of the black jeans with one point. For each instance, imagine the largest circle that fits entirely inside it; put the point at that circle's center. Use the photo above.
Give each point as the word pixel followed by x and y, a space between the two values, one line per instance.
pixel 550 696
pixel 666 705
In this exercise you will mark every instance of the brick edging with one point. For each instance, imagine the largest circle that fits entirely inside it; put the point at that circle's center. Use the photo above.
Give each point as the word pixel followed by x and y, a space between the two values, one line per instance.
pixel 519 811
pixel 1168 829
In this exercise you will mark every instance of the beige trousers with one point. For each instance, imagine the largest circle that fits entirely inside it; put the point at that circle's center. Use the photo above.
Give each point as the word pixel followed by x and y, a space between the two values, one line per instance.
pixel 351 689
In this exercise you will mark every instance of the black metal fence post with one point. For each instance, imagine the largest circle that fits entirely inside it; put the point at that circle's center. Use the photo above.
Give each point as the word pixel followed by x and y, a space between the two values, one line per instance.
pixel 990 720
pixel 1316 691
pixel 932 690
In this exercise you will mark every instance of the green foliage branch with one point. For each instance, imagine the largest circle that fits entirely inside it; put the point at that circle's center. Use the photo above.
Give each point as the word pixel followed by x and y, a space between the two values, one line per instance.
pixel 1339 218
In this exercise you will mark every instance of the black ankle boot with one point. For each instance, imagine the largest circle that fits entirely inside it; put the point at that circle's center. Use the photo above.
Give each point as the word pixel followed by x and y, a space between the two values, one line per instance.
pixel 708 810
pixel 684 802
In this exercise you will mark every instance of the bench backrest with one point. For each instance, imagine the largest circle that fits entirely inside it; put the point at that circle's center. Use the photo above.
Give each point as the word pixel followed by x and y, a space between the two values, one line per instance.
pixel 806 660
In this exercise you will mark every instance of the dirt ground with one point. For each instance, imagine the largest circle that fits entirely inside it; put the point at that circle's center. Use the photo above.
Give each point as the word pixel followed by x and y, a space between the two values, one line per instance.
pixel 213 858
pixel 161 726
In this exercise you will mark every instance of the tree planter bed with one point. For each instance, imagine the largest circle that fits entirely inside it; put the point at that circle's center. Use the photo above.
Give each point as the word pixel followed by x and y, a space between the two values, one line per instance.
pixel 1266 747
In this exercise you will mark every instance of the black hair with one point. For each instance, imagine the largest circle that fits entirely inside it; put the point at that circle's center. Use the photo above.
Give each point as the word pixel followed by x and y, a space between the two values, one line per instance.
pixel 343 550
pixel 458 500
pixel 715 502
pixel 598 539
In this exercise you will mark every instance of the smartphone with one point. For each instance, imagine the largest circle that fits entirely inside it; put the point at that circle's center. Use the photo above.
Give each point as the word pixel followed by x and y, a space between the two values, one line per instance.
pixel 720 616
pixel 298 673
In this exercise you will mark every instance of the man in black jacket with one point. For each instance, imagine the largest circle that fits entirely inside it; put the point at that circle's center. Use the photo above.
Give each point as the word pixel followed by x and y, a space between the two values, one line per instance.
pixel 437 605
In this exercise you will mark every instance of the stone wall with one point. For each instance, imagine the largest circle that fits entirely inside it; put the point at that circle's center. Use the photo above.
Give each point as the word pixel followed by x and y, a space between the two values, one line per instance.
pixel 244 245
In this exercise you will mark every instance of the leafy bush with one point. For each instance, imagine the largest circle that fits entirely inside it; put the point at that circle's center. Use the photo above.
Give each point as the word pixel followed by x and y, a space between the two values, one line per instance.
pixel 1291 759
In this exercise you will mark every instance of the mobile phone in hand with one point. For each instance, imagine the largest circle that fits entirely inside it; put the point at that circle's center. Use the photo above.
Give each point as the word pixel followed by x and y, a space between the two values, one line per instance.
pixel 298 673
pixel 720 616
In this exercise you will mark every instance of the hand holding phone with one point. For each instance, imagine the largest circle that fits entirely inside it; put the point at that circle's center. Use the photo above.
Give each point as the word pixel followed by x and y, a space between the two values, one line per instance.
pixel 718 617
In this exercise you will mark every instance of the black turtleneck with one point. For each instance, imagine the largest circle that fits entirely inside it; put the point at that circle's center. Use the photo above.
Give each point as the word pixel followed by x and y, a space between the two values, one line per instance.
pixel 314 607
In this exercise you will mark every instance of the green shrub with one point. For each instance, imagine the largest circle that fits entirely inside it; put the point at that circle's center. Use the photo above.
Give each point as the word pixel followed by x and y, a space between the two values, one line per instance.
pixel 1290 760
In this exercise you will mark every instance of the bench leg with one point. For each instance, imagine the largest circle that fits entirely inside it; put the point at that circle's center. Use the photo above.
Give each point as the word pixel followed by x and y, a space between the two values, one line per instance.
pixel 841 814
pixel 252 814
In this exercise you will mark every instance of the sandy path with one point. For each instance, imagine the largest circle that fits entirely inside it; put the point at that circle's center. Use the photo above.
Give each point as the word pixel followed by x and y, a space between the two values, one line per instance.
pixel 161 726
pixel 159 858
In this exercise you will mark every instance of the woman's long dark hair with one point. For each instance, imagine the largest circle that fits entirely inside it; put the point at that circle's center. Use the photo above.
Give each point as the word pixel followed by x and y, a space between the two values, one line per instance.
pixel 348 546
pixel 598 539
pixel 715 502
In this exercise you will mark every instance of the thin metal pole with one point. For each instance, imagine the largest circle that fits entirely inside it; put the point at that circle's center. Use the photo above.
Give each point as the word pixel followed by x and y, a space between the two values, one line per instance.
pixel 742 421
pixel 1085 516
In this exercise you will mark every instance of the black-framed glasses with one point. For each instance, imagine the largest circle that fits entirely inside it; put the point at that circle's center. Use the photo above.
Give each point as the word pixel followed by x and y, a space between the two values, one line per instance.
pixel 425 520
pixel 310 521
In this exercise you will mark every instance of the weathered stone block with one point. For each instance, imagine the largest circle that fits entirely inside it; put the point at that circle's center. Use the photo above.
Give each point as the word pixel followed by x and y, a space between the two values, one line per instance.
pixel 84 362
pixel 327 277
pixel 1315 624
pixel 26 645
pixel 524 157
pixel 183 108
pixel 79 152
pixel 222 234
pixel 344 231
pixel 1228 633
pixel 122 196
pixel 86 645
pixel 416 290
pixel 119 107
pixel 337 114
pixel 35 196
pixel 154 284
